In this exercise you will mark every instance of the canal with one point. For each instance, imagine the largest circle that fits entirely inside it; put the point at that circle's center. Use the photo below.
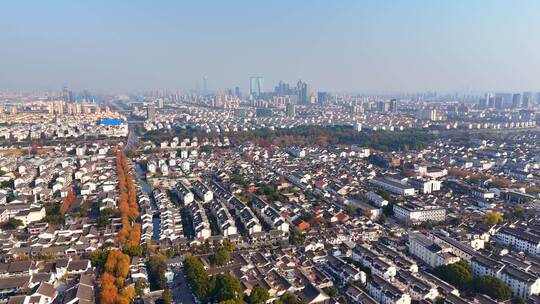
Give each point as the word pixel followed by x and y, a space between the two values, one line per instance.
pixel 141 177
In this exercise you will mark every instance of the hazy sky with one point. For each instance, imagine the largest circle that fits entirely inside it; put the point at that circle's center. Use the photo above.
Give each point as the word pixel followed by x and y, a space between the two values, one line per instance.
pixel 355 46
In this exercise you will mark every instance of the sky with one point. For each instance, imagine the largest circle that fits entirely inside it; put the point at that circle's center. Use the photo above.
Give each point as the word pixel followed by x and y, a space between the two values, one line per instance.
pixel 339 46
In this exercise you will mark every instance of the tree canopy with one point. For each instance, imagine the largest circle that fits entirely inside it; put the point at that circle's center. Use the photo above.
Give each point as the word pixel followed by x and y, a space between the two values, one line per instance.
pixel 258 295
pixel 458 274
pixel 493 287
pixel 221 256
pixel 295 236
pixel 158 266
pixel 492 218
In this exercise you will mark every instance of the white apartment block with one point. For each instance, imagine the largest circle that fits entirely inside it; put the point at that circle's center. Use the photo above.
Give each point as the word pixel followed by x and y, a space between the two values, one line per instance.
pixel 425 249
pixel 385 292
pixel 411 213
pixel 393 186
pixel 519 239
pixel 522 283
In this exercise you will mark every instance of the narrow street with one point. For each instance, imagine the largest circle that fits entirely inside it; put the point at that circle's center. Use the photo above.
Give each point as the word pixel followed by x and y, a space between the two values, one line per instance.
pixel 181 291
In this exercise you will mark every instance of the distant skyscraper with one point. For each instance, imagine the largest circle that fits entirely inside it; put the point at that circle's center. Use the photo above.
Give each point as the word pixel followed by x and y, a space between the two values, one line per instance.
pixel 303 92
pixel 393 105
pixel 516 101
pixel 151 112
pixel 283 89
pixel 526 102
pixel 383 106
pixel 499 102
pixel 491 102
pixel 482 103
pixel 256 86
pixel 67 95
pixel 237 92
pixel 291 109
pixel 323 97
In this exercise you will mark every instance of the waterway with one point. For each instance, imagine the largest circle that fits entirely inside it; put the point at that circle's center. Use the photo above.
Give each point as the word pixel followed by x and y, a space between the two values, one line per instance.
pixel 148 190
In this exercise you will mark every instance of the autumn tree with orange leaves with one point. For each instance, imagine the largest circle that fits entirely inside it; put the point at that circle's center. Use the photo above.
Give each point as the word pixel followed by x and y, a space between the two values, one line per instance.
pixel 112 289
pixel 130 234
pixel 68 201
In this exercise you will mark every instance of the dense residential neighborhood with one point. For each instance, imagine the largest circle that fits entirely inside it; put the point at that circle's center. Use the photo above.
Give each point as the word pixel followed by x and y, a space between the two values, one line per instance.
pixel 206 199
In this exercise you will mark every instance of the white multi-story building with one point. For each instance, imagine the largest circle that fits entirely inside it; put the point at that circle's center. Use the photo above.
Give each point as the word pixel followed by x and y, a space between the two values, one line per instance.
pixel 224 219
pixel 425 186
pixel 519 239
pixel 270 215
pixel 411 213
pixel 201 226
pixel 385 292
pixel 522 283
pixel 393 186
pixel 425 249
pixel 377 264
pixel 376 199
pixel 184 194
pixel 202 191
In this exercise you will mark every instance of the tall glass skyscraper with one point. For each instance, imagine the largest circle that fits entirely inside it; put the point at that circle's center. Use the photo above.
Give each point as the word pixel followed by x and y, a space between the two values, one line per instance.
pixel 256 86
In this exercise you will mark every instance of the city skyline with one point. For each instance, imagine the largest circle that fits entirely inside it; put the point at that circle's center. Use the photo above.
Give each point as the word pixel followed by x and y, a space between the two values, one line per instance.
pixel 364 46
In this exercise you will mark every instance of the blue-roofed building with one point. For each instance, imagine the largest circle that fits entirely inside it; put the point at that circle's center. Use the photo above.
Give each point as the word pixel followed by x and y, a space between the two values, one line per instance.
pixel 111 122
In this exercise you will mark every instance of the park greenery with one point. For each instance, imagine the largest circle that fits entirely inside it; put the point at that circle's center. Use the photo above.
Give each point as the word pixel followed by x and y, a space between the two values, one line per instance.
pixel 52 214
pixel 412 139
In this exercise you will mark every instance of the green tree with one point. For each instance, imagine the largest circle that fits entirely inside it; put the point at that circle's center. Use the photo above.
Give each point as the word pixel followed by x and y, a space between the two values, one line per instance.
pixel 158 266
pixel 288 298
pixel 12 223
pixel 493 287
pixel 388 210
pixel 227 244
pixel 231 302
pixel 518 301
pixel 227 287
pixel 98 258
pixel 296 237
pixel 197 276
pixel 458 274
pixel 220 257
pixel 134 251
pixel 331 291
pixel 258 295
pixel 102 221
